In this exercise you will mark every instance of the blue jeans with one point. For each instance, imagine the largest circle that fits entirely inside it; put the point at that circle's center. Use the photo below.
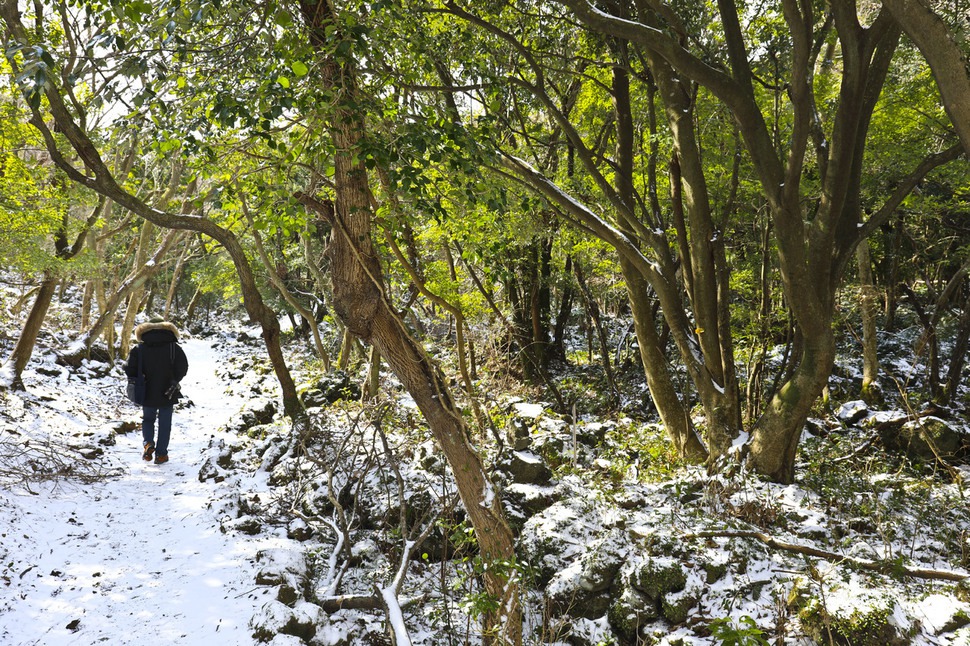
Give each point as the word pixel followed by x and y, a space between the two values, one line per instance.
pixel 164 415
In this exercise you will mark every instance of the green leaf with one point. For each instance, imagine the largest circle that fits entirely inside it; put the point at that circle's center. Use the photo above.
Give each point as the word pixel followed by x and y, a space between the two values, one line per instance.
pixel 283 18
pixel 47 58
pixel 299 68
pixel 283 81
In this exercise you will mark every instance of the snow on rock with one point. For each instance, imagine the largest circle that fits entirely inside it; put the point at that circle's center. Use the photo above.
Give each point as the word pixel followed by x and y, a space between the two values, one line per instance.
pixel 857 613
pixel 284 567
pixel 524 409
pixel 237 539
pixel 299 620
pixel 939 613
pixel 852 412
pixel 286 640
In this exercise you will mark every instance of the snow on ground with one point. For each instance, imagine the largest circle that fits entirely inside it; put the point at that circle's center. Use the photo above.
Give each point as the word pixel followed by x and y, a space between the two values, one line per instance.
pixel 141 557
pixel 132 559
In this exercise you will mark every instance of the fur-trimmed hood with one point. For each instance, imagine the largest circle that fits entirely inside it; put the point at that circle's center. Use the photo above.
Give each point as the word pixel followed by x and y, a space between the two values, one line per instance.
pixel 150 327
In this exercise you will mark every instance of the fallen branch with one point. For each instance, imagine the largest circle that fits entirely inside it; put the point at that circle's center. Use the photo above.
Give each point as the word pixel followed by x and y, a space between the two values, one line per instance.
pixel 395 616
pixel 858 450
pixel 24 462
pixel 363 602
pixel 883 567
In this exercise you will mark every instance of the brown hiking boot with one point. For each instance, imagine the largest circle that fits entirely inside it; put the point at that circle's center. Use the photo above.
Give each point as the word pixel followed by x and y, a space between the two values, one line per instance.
pixel 161 459
pixel 149 450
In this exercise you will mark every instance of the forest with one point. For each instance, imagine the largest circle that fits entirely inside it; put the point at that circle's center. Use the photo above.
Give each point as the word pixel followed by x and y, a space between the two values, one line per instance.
pixel 571 322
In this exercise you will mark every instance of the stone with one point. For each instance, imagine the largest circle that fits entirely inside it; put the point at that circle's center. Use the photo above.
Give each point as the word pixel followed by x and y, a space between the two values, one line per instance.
pixel 656 576
pixel 714 571
pixel 601 562
pixel 525 467
pixel 585 632
pixel 920 437
pixel 286 570
pixel 299 531
pixel 630 612
pixel 249 525
pixel 126 426
pixel 276 618
pixel 287 594
pixel 257 413
pixel 580 603
pixel 331 388
pixel 531 499
pixel 675 607
pixel 872 622
pixel 852 412
pixel 519 432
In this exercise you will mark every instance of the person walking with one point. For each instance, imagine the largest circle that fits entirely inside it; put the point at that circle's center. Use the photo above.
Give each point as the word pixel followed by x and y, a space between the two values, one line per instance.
pixel 164 365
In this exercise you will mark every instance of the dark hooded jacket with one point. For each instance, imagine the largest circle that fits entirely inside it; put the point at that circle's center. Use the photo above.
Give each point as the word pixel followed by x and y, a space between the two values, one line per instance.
pixel 163 361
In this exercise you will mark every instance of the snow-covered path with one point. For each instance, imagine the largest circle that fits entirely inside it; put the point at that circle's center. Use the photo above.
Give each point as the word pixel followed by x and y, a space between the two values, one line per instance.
pixel 137 559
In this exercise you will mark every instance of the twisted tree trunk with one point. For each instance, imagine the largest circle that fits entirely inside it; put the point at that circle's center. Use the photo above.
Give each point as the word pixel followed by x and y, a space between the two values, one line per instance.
pixel 362 304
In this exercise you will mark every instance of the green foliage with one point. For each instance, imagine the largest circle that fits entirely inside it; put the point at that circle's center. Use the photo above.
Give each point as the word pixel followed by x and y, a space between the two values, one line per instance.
pixel 40 212
pixel 36 66
pixel 863 499
pixel 870 625
pixel 643 447
pixel 744 632
pixel 216 276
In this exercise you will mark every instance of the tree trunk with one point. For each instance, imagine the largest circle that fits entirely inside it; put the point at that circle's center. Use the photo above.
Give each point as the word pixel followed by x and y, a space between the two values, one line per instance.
pixel 892 282
pixel 373 381
pixel 594 314
pixel 63 250
pixel 812 253
pixel 132 284
pixel 565 312
pixel 757 365
pixel 102 181
pixel 867 307
pixel 360 301
pixel 137 293
pixel 28 335
pixel 173 285
pixel 774 439
pixel 87 300
pixel 714 377
pixel 284 291
pixel 928 341
pixel 528 292
pixel 700 284
pixel 958 356
pixel 361 304
pixel 193 304
pixel 673 413
pixel 347 345
pixel 99 178
pixel 943 53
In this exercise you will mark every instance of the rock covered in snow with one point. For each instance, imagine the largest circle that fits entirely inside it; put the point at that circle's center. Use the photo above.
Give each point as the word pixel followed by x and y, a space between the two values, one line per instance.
pixel 852 412
pixel 284 569
pixel 276 618
pixel 525 467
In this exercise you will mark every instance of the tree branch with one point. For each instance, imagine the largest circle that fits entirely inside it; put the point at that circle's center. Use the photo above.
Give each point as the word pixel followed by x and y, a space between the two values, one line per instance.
pixel 883 567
